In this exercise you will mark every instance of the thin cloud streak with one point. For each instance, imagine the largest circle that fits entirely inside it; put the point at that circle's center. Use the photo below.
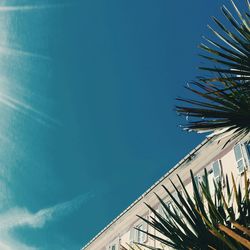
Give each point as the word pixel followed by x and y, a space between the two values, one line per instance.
pixel 26 109
pixel 16 52
pixel 22 217
pixel 8 8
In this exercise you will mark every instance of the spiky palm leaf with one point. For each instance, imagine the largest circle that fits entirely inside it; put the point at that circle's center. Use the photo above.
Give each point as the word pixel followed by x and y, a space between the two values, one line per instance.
pixel 223 100
pixel 217 222
pixel 224 111
pixel 234 54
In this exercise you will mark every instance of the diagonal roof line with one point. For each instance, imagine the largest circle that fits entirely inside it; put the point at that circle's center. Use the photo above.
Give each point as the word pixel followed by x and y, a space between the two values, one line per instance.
pixel 182 161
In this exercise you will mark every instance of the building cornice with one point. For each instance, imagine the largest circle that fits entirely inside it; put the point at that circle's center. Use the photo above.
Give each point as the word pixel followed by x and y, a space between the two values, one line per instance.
pixel 186 158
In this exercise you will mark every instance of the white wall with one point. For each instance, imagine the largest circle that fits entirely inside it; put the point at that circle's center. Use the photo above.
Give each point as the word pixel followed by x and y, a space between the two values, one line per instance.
pixel 119 230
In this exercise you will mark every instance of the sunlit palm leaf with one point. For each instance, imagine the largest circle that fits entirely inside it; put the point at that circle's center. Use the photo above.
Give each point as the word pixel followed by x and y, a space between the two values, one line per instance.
pixel 200 226
pixel 235 236
pixel 222 103
pixel 234 52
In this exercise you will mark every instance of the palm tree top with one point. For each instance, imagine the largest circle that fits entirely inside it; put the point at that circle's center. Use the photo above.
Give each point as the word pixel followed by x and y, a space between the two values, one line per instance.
pixel 222 103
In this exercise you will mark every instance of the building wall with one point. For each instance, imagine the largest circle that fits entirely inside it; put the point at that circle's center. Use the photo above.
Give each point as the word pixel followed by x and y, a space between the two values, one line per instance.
pixel 119 231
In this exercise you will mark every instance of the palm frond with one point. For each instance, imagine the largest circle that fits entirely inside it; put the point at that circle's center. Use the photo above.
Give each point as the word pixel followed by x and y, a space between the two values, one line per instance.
pixel 203 223
pixel 234 55
pixel 222 103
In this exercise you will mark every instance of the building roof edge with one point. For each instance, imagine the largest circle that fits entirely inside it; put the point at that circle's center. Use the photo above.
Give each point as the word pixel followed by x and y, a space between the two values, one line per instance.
pixel 183 160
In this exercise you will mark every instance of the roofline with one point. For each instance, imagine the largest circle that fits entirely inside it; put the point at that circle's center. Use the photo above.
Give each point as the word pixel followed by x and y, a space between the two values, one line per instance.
pixel 147 191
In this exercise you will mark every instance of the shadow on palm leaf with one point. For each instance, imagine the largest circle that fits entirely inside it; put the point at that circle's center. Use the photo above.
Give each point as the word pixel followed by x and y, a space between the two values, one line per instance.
pixel 222 103
pixel 204 221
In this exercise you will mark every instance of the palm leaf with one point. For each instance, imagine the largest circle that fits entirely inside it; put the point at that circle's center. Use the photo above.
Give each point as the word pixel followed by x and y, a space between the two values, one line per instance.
pixel 235 236
pixel 222 103
pixel 190 224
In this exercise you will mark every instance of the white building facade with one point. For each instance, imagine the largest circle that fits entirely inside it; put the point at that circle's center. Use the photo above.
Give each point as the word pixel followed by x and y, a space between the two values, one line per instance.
pixel 217 159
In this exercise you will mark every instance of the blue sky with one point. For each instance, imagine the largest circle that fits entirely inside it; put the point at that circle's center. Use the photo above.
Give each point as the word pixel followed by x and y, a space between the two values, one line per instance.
pixel 87 95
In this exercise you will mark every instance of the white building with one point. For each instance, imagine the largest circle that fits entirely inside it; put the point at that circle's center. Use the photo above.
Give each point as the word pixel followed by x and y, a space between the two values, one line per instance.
pixel 218 161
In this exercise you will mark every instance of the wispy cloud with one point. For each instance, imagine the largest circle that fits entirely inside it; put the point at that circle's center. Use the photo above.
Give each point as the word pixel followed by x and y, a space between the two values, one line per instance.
pixel 8 8
pixel 7 242
pixel 22 217
pixel 27 110
pixel 18 52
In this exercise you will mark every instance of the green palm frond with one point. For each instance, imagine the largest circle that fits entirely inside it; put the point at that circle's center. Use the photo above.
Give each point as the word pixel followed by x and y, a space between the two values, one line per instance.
pixel 205 221
pixel 222 103
pixel 233 55
pixel 224 110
